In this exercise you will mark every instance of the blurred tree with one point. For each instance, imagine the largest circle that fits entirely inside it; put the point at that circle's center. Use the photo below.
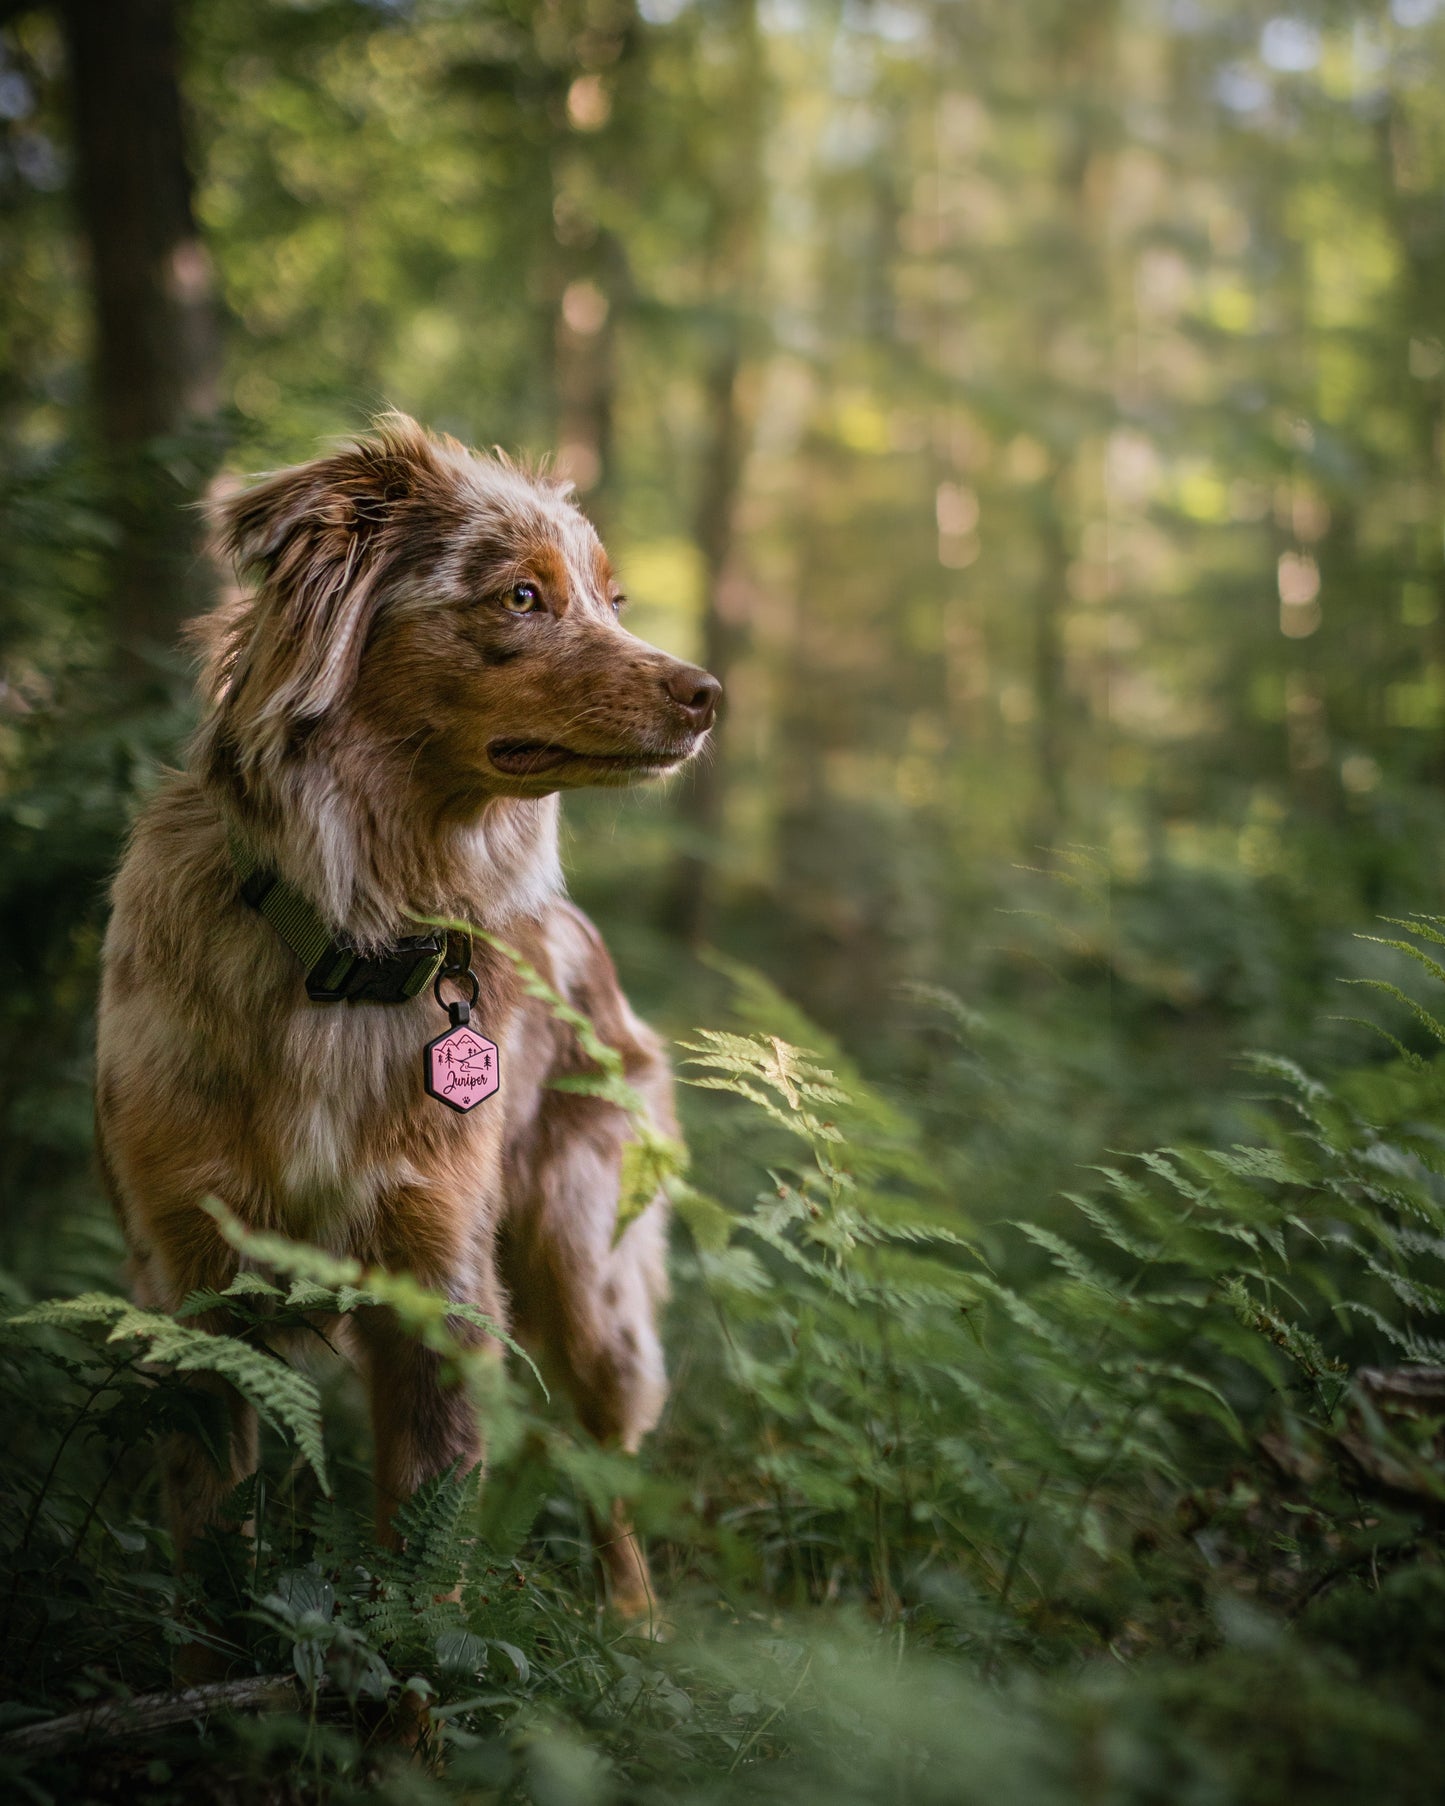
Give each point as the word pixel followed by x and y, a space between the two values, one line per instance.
pixel 157 343
pixel 728 310
pixel 1033 413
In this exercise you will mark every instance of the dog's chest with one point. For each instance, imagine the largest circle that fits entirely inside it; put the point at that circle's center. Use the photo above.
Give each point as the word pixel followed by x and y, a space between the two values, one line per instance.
pixel 353 1125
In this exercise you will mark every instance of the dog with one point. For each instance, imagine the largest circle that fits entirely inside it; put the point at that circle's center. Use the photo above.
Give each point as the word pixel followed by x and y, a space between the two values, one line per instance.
pixel 424 653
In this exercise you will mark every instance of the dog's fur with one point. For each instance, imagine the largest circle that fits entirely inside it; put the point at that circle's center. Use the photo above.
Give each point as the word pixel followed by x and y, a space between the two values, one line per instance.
pixel 371 702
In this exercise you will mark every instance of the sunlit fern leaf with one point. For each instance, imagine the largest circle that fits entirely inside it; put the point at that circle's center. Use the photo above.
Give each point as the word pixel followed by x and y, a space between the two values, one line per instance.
pixel 888 1134
pixel 1427 927
pixel 710 1223
pixel 752 1067
pixel 649 1160
pixel 793 1072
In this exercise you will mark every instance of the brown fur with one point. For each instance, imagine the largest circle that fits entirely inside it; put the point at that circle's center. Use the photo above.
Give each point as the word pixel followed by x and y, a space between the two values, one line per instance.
pixel 365 697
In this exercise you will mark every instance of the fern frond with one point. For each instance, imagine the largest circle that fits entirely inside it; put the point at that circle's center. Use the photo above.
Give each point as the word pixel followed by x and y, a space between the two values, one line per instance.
pixel 425 1314
pixel 1408 948
pixel 282 1396
pixel 1431 1024
pixel 1109 1226
pixel 1068 1259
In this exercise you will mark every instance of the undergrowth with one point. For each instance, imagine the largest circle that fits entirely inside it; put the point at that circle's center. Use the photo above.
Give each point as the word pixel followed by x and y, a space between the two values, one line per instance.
pixel 1135 1497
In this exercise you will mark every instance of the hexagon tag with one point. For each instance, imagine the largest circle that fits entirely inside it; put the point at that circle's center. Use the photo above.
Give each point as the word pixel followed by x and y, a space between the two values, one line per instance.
pixel 461 1068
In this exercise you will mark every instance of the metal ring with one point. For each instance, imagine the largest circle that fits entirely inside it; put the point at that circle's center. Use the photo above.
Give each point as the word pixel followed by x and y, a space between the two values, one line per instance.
pixel 456 974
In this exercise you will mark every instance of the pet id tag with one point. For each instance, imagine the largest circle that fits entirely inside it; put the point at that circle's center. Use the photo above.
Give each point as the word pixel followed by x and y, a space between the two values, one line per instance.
pixel 460 1068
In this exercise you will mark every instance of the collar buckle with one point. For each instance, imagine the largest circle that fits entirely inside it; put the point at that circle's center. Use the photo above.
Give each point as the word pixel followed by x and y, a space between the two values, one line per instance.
pixel 335 973
pixel 404 971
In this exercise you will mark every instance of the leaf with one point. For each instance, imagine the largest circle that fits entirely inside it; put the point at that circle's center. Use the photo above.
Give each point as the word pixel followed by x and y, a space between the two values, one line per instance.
pixel 461 1652
pixel 1068 1258
pixel 283 1396
pixel 1430 1023
pixel 1109 1226
pixel 649 1160
pixel 514 1656
pixel 710 1223
pixel 426 1314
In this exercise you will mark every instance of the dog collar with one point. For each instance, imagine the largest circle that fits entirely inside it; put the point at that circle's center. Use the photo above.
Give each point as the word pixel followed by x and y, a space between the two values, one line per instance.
pixel 336 973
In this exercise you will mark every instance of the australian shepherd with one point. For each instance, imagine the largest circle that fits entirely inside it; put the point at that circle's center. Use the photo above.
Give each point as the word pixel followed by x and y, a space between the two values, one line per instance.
pixel 426 651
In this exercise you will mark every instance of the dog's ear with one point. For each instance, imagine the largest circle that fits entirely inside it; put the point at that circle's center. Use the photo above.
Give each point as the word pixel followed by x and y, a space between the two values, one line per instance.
pixel 315 542
pixel 324 511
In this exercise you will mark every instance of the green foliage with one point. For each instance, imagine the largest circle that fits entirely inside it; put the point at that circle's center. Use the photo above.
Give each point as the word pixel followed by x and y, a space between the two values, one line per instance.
pixel 283 1397
pixel 970 1451
pixel 328 1283
pixel 1039 412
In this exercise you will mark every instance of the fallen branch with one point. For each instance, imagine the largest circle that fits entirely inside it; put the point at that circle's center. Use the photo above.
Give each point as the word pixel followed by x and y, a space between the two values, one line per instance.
pixel 111 1719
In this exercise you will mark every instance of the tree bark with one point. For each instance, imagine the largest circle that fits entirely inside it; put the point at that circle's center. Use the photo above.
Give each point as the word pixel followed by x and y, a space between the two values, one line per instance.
pixel 108 1720
pixel 734 272
pixel 157 342
pixel 689 903
pixel 1412 210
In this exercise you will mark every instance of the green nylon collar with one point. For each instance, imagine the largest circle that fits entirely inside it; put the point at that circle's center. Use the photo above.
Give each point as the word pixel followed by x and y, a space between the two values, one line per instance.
pixel 335 973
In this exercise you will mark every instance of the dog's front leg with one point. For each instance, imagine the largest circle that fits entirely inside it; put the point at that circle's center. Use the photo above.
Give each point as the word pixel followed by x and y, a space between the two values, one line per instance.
pixel 183 1253
pixel 198 1479
pixel 423 1420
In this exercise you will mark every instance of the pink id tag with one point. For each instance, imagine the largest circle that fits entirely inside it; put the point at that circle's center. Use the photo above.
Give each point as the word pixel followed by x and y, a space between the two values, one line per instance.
pixel 461 1067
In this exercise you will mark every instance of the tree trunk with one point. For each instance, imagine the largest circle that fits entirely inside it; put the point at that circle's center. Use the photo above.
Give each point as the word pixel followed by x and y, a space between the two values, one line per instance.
pixel 689 904
pixel 1050 809
pixel 157 344
pixel 734 264
pixel 1412 210
pixel 1080 185
pixel 585 376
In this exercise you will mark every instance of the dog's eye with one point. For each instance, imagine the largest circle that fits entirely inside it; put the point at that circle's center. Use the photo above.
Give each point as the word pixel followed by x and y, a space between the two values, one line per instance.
pixel 618 603
pixel 522 599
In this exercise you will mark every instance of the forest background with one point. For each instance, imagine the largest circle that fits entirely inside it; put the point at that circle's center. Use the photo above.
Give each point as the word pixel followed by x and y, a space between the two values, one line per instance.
pixel 1033 413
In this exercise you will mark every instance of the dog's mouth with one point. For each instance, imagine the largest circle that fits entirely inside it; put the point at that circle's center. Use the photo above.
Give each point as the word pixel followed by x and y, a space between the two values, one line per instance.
pixel 531 758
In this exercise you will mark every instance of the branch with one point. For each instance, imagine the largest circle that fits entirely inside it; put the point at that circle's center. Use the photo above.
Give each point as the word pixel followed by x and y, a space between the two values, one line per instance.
pixel 113 1719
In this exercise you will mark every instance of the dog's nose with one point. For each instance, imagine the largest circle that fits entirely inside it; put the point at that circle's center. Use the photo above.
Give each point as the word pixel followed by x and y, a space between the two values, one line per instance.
pixel 695 692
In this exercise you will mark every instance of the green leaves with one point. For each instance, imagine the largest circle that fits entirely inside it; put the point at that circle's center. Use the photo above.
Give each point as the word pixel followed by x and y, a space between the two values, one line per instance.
pixel 283 1396
pixel 1021 1411
pixel 782 1081
pixel 327 1282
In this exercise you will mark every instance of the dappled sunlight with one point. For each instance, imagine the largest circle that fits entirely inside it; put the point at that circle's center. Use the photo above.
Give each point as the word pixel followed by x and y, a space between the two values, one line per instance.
pixel 1034 416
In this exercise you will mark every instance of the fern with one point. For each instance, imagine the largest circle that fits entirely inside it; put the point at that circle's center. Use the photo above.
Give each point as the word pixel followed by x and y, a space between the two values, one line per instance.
pixel 284 1397
pixel 335 1283
pixel 1197 1269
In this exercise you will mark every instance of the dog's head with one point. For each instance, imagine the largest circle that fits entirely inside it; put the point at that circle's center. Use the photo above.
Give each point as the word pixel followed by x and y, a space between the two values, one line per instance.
pixel 459 608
